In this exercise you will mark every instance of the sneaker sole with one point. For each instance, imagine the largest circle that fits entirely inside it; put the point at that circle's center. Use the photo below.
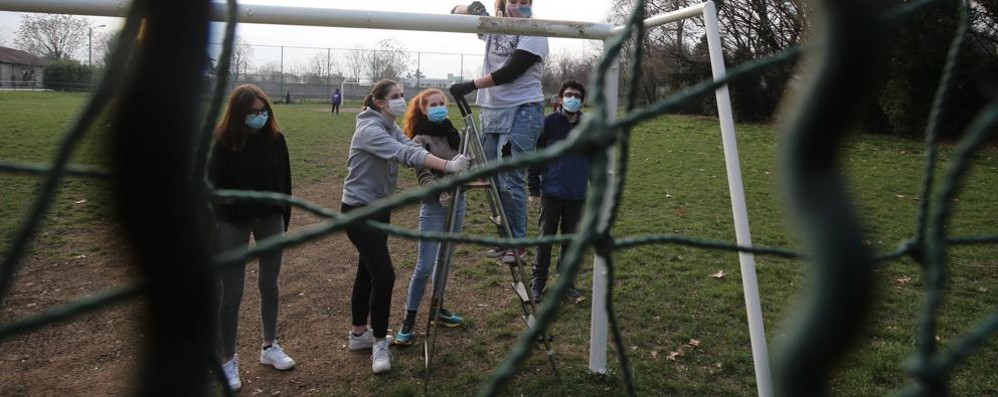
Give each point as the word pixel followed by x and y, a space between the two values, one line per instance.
pixel 399 342
pixel 390 338
pixel 445 324
pixel 268 363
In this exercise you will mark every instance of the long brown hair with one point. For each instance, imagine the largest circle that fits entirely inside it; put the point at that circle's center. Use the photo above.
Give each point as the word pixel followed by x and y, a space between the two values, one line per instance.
pixel 378 91
pixel 414 115
pixel 231 131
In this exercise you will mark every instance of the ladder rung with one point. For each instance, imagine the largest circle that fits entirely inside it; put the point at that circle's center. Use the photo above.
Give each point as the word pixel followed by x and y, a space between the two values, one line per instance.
pixel 521 291
pixel 477 184
pixel 529 320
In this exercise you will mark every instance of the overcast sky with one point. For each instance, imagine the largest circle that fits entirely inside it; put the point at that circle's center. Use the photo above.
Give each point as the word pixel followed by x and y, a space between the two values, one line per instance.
pixel 322 37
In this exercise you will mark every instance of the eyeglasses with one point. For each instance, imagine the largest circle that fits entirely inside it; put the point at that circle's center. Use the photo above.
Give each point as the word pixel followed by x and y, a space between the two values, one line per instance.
pixel 257 112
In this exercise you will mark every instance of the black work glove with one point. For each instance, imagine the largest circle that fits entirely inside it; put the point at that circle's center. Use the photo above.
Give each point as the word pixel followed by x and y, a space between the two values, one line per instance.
pixel 477 8
pixel 459 90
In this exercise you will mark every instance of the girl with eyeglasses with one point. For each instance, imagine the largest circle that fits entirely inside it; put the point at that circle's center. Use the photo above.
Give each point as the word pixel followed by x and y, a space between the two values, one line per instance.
pixel 250 153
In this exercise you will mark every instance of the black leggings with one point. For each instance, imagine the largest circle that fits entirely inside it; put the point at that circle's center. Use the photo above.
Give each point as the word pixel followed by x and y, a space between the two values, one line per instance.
pixel 372 288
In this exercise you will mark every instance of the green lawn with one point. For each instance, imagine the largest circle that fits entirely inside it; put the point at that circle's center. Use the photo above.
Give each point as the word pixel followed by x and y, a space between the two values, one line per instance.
pixel 665 296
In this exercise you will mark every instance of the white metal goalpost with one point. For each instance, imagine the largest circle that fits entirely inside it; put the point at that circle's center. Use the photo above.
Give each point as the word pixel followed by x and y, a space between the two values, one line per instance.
pixel 305 16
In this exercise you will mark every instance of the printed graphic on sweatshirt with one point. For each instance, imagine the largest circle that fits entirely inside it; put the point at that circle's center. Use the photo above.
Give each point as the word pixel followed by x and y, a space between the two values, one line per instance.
pixel 503 45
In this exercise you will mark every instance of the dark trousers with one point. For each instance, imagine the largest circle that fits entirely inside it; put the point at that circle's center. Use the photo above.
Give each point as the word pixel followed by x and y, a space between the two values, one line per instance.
pixel 554 212
pixel 336 108
pixel 231 236
pixel 372 288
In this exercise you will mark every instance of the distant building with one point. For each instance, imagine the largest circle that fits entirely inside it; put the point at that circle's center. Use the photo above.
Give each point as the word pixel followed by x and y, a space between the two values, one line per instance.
pixel 428 82
pixel 20 69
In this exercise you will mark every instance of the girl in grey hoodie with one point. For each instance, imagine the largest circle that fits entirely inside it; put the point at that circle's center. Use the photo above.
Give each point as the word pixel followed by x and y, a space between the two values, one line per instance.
pixel 378 146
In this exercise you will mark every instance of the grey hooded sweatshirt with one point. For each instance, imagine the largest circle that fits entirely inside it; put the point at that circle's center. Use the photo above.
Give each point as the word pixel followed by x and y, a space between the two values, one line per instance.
pixel 378 146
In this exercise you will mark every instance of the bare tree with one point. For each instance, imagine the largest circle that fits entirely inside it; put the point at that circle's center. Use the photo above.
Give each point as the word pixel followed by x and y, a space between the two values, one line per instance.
pixel 270 71
pixel 52 36
pixel 317 68
pixel 242 53
pixel 355 62
pixel 390 61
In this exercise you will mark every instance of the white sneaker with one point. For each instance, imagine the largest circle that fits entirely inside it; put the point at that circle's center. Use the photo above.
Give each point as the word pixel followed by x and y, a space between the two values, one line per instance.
pixel 381 357
pixel 231 371
pixel 364 341
pixel 275 356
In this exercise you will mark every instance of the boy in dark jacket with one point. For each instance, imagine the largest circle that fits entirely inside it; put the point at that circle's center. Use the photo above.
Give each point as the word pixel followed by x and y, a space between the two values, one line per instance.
pixel 561 183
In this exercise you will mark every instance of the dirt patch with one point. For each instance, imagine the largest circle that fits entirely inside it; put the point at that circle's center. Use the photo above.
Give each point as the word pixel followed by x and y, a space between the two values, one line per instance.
pixel 98 353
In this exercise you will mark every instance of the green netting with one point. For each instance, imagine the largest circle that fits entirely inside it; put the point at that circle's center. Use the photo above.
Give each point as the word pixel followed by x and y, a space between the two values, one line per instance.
pixel 840 264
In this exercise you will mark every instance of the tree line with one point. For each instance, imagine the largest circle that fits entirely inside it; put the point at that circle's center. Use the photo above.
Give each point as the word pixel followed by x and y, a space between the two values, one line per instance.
pixel 676 57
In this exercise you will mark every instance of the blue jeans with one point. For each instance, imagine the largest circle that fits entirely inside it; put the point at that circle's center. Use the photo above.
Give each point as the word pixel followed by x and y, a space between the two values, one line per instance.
pixel 519 127
pixel 432 218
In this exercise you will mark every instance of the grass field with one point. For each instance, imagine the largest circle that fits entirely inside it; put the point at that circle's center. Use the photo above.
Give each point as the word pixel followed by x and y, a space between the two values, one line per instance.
pixel 665 297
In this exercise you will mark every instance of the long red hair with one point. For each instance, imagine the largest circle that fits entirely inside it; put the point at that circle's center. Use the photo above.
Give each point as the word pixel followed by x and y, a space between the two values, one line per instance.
pixel 414 115
pixel 231 130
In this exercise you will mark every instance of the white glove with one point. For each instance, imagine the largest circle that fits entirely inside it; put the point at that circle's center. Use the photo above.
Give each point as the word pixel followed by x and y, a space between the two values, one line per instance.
pixel 457 164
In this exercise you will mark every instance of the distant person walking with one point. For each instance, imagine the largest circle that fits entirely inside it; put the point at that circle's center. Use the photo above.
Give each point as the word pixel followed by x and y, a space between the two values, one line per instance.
pixel 335 100
pixel 250 153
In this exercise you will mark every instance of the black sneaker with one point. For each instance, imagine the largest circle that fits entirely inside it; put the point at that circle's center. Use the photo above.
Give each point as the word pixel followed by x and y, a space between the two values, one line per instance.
pixel 574 294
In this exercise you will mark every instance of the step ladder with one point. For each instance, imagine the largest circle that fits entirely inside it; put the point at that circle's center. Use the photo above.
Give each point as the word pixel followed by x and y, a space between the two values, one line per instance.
pixel 471 145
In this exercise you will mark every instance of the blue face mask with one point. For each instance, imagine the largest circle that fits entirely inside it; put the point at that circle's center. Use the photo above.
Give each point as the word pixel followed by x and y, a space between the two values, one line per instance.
pixel 518 12
pixel 257 122
pixel 437 114
pixel 572 104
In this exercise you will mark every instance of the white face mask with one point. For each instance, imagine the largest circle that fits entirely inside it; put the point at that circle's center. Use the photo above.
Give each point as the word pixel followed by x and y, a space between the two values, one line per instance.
pixel 396 107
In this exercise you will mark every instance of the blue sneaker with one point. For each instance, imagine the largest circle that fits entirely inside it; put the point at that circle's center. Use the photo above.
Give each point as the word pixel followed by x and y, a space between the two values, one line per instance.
pixel 448 319
pixel 405 336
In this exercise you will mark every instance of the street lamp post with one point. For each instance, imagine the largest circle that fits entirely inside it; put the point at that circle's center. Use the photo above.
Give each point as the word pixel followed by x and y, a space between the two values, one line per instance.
pixel 90 43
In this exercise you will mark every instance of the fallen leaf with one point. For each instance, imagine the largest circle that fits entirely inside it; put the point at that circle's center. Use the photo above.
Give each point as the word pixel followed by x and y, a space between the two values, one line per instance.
pixel 718 275
pixel 903 280
pixel 658 318
pixel 654 354
pixel 634 348
pixel 672 355
pixel 80 201
pixel 81 256
pixel 982 289
pixel 899 195
pixel 667 195
pixel 694 343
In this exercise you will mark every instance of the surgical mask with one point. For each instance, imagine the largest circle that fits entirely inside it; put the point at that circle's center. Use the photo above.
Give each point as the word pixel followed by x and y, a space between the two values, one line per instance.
pixel 257 122
pixel 572 104
pixel 519 12
pixel 396 107
pixel 437 114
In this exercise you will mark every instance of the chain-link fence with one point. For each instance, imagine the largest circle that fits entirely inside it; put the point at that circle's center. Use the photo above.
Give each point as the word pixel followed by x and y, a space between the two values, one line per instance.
pixel 311 74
